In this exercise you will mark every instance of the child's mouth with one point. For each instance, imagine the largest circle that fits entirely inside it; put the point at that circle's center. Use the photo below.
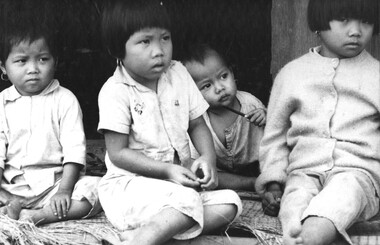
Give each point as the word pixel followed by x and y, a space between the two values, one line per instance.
pixel 159 66
pixel 33 80
pixel 352 45
pixel 224 98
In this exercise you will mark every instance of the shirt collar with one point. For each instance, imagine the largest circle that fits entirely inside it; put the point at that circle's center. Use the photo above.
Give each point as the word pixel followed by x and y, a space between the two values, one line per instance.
pixel 127 79
pixel 12 94
pixel 335 61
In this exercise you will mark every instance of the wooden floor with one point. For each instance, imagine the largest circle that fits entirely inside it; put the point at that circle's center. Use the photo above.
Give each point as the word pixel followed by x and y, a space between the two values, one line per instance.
pixel 216 240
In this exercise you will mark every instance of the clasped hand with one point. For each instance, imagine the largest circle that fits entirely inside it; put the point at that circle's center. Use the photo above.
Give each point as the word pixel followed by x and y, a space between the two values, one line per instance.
pixel 188 177
pixel 271 199
pixel 257 117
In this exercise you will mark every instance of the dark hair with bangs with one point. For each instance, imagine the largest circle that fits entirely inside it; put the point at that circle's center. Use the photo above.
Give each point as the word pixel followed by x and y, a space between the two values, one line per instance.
pixel 25 21
pixel 321 12
pixel 198 52
pixel 122 18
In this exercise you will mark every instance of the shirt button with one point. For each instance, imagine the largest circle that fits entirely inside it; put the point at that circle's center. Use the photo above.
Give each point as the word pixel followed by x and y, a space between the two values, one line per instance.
pixel 335 62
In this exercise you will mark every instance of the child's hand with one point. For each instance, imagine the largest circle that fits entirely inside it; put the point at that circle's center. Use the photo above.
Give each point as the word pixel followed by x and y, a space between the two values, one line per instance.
pixel 182 175
pixel 5 197
pixel 206 176
pixel 60 203
pixel 257 117
pixel 272 199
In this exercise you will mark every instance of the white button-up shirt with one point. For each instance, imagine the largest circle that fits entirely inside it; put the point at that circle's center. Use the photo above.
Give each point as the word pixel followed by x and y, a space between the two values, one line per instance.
pixel 156 123
pixel 38 135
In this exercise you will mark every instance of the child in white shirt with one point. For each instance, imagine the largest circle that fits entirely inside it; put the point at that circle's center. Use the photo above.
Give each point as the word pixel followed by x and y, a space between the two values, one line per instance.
pixel 42 142
pixel 146 110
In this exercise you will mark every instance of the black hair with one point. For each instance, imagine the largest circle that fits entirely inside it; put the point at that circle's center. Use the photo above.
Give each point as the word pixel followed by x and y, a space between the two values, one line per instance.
pixel 198 52
pixel 25 20
pixel 321 12
pixel 122 18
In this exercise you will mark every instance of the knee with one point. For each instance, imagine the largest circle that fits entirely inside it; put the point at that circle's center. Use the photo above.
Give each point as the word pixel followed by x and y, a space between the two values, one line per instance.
pixel 349 178
pixel 232 203
pixel 353 182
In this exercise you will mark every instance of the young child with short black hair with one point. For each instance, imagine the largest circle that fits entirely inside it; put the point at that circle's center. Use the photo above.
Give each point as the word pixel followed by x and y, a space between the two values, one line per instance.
pixel 147 109
pixel 42 142
pixel 322 138
pixel 236 136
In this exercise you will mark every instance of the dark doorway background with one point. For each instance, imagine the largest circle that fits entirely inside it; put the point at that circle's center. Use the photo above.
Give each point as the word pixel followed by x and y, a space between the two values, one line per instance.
pixel 240 29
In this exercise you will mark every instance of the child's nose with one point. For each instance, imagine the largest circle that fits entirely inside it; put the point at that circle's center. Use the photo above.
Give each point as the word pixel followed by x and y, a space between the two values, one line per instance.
pixel 157 50
pixel 355 28
pixel 218 86
pixel 32 67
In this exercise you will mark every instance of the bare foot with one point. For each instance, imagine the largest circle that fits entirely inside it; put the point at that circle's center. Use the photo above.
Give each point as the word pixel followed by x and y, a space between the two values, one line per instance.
pixel 293 235
pixel 127 236
pixel 12 210
pixel 3 210
pixel 31 215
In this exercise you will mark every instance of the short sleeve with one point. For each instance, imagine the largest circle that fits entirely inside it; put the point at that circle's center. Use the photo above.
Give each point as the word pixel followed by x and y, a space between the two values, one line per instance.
pixel 197 104
pixel 72 137
pixel 114 108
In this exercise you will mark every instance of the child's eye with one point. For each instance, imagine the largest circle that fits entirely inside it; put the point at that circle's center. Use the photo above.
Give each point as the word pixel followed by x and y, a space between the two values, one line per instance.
pixel 20 61
pixel 145 41
pixel 343 19
pixel 367 22
pixel 224 76
pixel 205 86
pixel 166 38
pixel 44 59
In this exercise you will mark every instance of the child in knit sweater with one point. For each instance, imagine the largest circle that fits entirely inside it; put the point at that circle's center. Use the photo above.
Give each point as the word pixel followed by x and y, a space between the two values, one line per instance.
pixel 320 151
pixel 236 137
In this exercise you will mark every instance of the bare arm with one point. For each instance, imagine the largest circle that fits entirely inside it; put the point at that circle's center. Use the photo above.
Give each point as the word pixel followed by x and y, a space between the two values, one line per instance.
pixel 201 137
pixel 136 162
pixel 1 174
pixel 4 196
pixel 61 201
pixel 70 176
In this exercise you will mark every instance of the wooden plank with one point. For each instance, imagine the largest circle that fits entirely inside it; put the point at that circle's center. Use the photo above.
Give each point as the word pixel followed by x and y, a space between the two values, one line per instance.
pixel 216 240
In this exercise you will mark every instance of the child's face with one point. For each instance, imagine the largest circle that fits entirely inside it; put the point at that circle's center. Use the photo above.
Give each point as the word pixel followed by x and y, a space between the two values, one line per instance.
pixel 214 79
pixel 346 38
pixel 29 67
pixel 148 53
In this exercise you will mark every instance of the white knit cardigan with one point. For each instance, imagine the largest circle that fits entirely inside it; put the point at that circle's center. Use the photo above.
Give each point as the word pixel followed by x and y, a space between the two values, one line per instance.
pixel 323 113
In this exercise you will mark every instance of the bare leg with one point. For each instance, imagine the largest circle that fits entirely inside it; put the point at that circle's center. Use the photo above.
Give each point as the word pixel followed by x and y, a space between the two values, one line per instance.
pixel 314 231
pixel 292 234
pixel 217 216
pixel 78 209
pixel 161 228
pixel 318 231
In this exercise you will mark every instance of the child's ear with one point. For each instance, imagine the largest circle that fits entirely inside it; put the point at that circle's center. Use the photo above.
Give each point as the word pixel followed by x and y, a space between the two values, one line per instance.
pixel 2 67
pixel 55 62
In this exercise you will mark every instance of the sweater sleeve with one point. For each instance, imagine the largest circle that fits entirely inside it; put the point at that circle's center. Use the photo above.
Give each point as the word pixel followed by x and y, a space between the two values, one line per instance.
pixel 274 151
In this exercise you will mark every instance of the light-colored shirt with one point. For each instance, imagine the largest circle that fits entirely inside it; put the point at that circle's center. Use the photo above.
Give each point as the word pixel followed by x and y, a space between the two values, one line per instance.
pixel 156 122
pixel 38 134
pixel 242 139
pixel 323 114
